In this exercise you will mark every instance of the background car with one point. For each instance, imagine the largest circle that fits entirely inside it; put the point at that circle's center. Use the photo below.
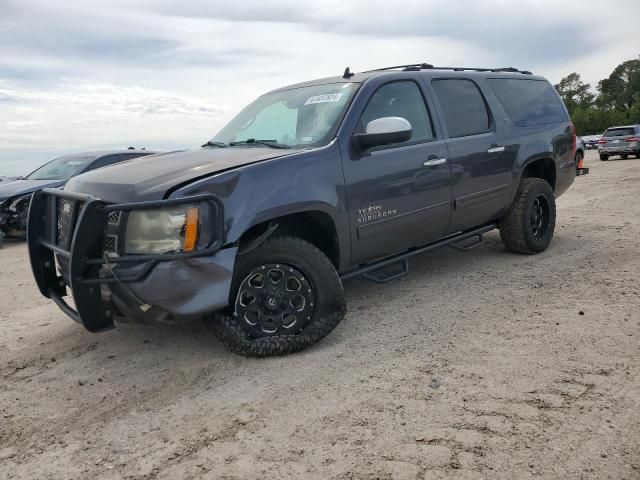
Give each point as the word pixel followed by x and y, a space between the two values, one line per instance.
pixel 590 142
pixel 623 141
pixel 15 195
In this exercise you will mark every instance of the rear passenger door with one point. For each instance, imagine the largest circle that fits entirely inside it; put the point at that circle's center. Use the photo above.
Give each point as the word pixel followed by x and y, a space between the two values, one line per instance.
pixel 479 160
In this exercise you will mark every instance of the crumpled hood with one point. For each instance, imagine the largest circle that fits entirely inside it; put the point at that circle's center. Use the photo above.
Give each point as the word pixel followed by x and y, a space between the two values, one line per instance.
pixel 149 178
pixel 23 187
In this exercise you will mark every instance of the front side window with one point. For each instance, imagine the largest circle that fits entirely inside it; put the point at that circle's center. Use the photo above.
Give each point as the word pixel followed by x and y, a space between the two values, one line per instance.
pixel 399 99
pixel 465 111
pixel 104 162
pixel 62 168
pixel 299 117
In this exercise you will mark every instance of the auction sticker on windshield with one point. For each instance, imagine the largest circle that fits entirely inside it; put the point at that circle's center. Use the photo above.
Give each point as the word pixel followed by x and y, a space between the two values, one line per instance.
pixel 327 98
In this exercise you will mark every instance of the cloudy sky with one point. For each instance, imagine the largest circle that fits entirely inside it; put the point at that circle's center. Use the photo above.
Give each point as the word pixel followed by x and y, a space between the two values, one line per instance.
pixel 78 75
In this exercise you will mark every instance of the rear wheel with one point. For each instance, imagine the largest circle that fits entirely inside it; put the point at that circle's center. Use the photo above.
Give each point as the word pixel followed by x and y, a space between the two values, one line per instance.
pixel 286 296
pixel 530 221
pixel 604 157
pixel 624 157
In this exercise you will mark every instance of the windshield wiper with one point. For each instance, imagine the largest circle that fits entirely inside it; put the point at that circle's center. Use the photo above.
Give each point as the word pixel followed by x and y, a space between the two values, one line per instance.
pixel 211 143
pixel 253 141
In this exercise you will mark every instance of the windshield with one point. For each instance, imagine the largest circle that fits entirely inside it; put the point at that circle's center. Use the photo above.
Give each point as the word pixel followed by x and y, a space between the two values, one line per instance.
pixel 300 117
pixel 62 168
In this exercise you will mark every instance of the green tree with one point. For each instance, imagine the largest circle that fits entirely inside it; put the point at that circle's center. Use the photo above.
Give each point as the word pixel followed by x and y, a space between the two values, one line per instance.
pixel 575 93
pixel 617 101
pixel 621 91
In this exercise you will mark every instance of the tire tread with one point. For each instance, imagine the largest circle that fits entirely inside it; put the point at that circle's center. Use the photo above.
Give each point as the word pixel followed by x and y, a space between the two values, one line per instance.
pixel 229 331
pixel 512 231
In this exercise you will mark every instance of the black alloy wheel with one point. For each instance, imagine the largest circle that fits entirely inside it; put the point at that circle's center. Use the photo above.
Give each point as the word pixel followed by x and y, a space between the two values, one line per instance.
pixel 274 299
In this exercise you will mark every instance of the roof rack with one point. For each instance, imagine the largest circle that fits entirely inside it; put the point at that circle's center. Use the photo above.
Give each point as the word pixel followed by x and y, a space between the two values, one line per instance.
pixel 414 67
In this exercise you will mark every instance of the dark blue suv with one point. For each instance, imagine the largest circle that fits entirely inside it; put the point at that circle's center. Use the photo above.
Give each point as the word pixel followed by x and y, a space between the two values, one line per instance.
pixel 307 186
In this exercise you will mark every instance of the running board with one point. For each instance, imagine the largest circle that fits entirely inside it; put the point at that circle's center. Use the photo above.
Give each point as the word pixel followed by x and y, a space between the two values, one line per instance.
pixel 387 277
pixel 465 245
pixel 458 241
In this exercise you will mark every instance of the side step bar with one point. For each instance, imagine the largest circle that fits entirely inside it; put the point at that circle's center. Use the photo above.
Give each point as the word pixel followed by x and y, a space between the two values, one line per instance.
pixel 459 241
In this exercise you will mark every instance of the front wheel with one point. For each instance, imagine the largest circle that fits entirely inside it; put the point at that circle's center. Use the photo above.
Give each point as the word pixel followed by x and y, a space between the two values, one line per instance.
pixel 624 157
pixel 531 219
pixel 603 157
pixel 286 295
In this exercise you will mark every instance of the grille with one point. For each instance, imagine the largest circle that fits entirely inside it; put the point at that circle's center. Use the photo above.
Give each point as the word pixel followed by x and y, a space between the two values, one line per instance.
pixel 111 245
pixel 60 220
pixel 65 223
pixel 114 218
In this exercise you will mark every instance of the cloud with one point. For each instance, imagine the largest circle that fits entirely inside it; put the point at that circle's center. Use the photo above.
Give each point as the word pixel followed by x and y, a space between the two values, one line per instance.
pixel 81 74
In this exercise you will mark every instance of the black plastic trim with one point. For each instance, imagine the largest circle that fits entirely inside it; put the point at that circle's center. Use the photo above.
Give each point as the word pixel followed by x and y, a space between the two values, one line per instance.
pixel 458 237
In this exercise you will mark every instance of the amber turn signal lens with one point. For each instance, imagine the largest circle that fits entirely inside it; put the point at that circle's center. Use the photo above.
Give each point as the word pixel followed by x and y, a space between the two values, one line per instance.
pixel 191 229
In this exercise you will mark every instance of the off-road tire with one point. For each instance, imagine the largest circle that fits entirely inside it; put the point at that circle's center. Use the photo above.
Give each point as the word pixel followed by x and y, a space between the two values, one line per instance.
pixel 329 309
pixel 604 158
pixel 516 231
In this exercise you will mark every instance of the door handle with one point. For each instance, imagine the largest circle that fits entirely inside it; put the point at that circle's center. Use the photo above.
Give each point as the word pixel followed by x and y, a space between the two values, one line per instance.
pixel 434 162
pixel 495 149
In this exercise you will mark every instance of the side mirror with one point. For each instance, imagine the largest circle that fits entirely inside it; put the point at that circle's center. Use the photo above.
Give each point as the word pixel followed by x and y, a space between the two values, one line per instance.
pixel 383 131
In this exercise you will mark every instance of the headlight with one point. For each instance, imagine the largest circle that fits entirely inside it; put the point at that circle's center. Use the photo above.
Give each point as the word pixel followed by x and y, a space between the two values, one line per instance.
pixel 162 230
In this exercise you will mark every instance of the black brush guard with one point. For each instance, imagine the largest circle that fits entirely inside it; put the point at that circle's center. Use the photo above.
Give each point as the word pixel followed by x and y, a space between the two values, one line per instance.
pixel 71 228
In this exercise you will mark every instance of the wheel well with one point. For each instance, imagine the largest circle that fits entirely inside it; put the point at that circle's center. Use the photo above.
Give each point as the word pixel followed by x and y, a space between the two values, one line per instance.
pixel 544 168
pixel 315 227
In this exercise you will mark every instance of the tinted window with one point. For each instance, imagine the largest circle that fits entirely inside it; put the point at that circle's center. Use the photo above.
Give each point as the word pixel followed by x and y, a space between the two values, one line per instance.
pixel 399 99
pixel 129 156
pixel 528 102
pixel 465 112
pixel 619 132
pixel 103 162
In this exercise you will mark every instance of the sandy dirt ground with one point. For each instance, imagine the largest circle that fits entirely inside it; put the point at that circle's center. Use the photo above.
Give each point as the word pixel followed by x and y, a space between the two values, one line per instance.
pixel 483 364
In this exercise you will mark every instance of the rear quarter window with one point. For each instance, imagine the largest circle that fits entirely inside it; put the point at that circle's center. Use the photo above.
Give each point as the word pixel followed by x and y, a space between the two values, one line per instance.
pixel 529 102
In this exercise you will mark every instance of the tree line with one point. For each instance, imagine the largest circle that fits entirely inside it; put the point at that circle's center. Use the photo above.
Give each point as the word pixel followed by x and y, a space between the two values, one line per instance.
pixel 616 100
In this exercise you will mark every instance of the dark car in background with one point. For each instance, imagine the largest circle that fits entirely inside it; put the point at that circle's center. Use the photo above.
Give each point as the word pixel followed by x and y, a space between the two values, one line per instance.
pixel 16 193
pixel 623 141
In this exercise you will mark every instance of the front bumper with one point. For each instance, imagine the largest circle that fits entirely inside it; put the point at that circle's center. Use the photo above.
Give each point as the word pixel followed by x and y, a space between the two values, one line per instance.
pixel 68 234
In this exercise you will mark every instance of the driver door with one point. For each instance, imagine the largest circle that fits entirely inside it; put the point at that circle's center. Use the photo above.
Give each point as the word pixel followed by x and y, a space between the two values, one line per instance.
pixel 399 195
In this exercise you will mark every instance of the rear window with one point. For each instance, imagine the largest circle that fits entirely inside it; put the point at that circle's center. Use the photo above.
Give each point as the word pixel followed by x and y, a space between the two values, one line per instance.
pixel 465 112
pixel 529 102
pixel 619 132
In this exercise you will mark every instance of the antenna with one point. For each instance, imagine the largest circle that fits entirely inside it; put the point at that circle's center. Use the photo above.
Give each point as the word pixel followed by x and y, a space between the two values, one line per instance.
pixel 347 73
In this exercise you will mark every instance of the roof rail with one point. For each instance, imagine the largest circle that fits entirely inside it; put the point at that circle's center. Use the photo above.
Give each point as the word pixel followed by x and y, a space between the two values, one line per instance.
pixel 414 67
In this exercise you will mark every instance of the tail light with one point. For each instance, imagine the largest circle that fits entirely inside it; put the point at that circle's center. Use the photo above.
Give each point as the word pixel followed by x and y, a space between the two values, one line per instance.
pixel 573 137
pixel 632 139
pixel 602 141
